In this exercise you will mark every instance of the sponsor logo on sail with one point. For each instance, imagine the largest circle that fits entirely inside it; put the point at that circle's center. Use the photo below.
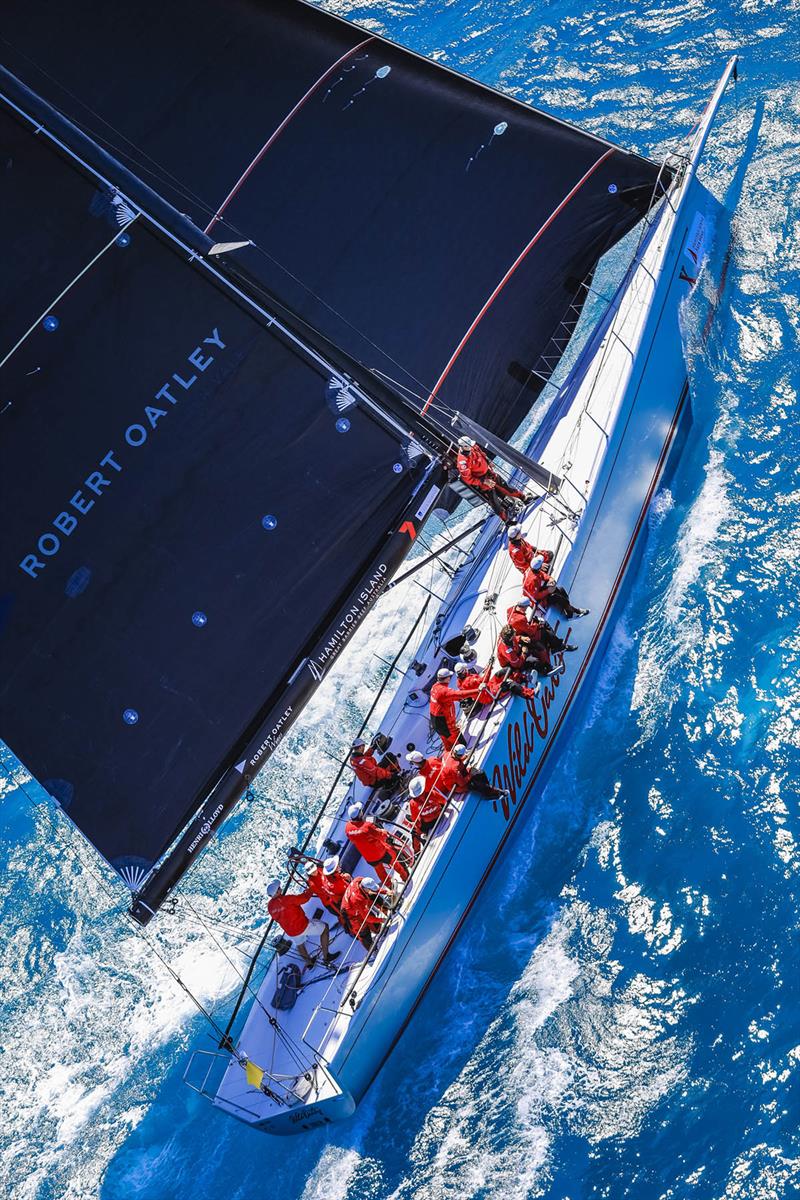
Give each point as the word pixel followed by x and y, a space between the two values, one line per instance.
pixel 94 484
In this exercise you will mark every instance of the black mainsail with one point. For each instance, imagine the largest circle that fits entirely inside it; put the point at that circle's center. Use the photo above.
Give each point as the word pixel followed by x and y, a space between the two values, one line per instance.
pixel 199 507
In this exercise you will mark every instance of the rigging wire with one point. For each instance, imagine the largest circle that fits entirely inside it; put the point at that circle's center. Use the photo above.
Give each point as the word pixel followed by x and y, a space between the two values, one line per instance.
pixel 116 908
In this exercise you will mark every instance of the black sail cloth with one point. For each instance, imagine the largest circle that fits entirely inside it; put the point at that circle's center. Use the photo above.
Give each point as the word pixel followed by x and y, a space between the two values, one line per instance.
pixel 183 505
pixel 396 206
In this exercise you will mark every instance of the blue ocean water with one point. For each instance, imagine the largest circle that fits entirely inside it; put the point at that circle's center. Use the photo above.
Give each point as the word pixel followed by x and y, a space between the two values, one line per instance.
pixel 620 1015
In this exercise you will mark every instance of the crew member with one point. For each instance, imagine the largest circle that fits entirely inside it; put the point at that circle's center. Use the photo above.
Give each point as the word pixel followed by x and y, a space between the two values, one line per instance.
pixel 363 910
pixel 377 847
pixel 367 769
pixel 476 471
pixel 428 768
pixel 465 671
pixel 512 652
pixel 543 589
pixel 522 552
pixel 523 620
pixel 443 707
pixel 522 654
pixel 425 806
pixel 286 909
pixel 457 776
pixel 328 882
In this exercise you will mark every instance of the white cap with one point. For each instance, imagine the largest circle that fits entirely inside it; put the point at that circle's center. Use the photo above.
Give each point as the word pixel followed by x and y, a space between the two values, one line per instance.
pixel 369 884
pixel 515 531
pixel 310 867
pixel 530 613
pixel 459 751
pixel 355 811
pixel 330 865
pixel 416 756
pixel 417 786
pixel 359 741
pixel 466 443
pixel 273 887
pixel 443 673
pixel 461 668
pixel 523 602
pixel 537 562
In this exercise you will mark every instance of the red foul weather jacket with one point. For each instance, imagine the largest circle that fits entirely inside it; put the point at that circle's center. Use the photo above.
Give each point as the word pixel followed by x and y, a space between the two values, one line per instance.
pixel 288 912
pixel 481 688
pixel 443 701
pixel 510 656
pixel 455 774
pixel 515 617
pixel 535 585
pixel 429 770
pixel 368 770
pixel 356 903
pixel 523 553
pixel 474 469
pixel 371 842
pixel 329 888
pixel 427 806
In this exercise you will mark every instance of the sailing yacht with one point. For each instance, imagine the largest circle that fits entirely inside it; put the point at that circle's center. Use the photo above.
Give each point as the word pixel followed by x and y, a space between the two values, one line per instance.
pixel 239 365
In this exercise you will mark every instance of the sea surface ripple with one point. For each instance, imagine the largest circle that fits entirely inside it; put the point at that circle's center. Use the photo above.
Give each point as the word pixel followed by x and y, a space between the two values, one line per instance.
pixel 620 1016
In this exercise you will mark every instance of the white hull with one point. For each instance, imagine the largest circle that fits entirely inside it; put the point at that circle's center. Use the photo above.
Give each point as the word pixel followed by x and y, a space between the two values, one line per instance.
pixel 637 393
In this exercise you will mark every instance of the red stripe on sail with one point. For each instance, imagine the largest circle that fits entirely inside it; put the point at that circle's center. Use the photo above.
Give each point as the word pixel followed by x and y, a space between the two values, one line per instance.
pixel 274 136
pixel 519 259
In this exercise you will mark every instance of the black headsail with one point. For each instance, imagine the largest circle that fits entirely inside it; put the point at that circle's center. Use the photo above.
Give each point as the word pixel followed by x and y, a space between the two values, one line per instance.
pixel 433 228
pixel 212 513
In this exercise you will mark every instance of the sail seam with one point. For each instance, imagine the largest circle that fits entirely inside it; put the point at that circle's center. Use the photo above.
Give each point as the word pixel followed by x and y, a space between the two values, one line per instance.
pixel 277 132
pixel 511 270
pixel 68 288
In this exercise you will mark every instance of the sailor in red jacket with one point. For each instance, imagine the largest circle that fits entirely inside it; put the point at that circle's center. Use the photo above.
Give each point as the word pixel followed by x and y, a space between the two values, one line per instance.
pixel 443 707
pixel 425 806
pixel 286 909
pixel 377 847
pixel 522 552
pixel 428 768
pixel 328 883
pixel 363 909
pixel 476 471
pixel 457 776
pixel 543 638
pixel 367 768
pixel 513 652
pixel 543 589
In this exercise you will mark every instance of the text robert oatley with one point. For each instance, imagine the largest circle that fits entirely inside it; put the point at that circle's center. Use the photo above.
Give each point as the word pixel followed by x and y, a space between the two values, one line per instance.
pixel 135 436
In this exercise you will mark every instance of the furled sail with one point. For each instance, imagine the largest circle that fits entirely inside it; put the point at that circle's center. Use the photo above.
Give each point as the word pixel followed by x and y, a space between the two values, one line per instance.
pixel 436 230
pixel 189 499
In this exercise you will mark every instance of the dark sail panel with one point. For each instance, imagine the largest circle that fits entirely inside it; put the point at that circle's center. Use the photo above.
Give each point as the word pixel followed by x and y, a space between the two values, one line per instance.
pixel 189 507
pixel 434 229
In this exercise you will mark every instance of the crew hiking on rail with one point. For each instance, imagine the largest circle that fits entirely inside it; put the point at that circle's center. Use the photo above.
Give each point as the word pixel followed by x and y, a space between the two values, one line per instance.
pixel 476 471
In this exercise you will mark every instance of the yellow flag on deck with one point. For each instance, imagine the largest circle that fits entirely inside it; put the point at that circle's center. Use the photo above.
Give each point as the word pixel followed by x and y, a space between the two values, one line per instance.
pixel 254 1074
